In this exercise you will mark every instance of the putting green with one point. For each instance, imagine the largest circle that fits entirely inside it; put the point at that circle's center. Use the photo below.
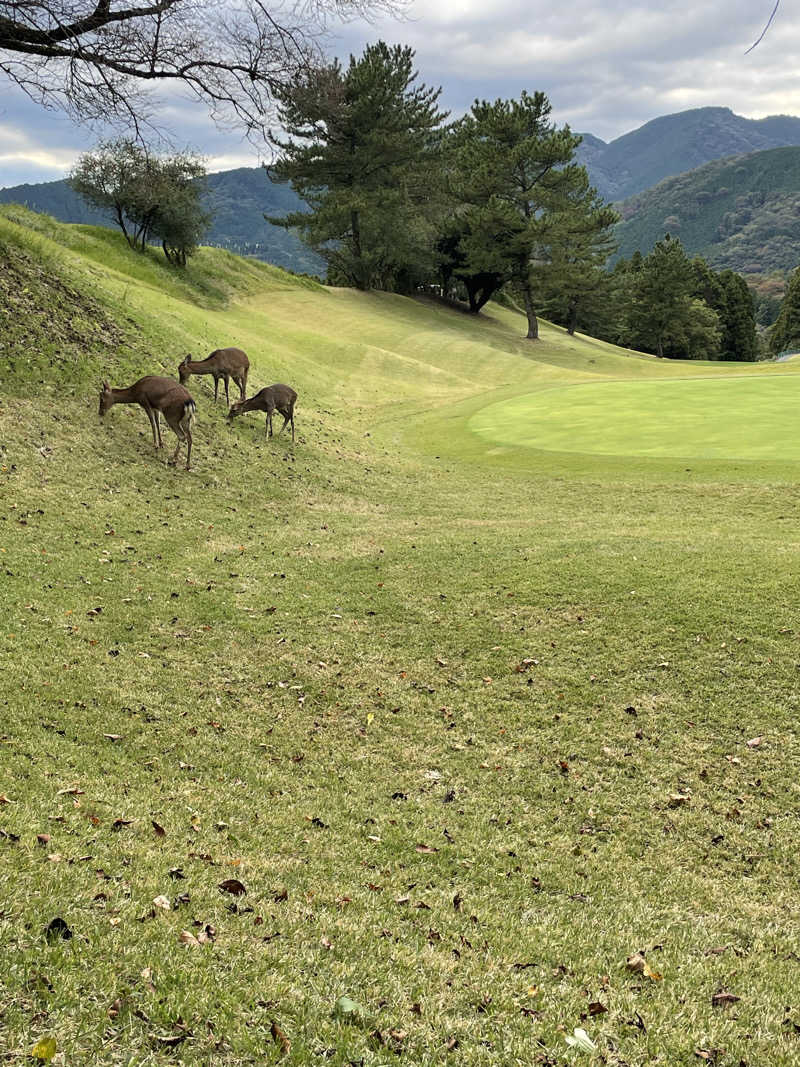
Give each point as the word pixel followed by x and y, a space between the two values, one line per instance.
pixel 734 418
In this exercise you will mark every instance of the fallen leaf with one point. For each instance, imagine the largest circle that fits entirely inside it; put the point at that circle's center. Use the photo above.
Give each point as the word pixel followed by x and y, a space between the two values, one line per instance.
pixel 326 942
pixel 596 1008
pixel 158 830
pixel 56 929
pixel 580 1039
pixel 425 849
pixel 639 965
pixel 42 839
pixel 162 902
pixel 44 1049
pixel 754 742
pixel 232 886
pixel 723 999
pixel 677 800
pixel 280 1038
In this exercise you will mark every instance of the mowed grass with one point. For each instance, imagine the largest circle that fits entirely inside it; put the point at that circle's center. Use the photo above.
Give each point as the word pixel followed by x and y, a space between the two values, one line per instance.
pixel 472 722
pixel 719 418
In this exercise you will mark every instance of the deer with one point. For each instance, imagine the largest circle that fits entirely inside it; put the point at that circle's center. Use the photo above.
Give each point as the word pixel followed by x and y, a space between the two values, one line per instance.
pixel 158 396
pixel 225 363
pixel 280 398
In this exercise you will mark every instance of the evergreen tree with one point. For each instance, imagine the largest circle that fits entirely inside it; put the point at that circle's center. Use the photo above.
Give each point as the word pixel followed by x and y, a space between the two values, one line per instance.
pixel 362 151
pixel 664 316
pixel 575 282
pixel 512 169
pixel 739 338
pixel 785 334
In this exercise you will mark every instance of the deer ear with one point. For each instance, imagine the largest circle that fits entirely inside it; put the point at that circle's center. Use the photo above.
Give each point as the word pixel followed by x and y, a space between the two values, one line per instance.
pixel 106 387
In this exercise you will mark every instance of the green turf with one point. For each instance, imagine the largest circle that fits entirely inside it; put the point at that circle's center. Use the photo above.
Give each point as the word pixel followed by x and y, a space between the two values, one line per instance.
pixel 739 418
pixel 472 722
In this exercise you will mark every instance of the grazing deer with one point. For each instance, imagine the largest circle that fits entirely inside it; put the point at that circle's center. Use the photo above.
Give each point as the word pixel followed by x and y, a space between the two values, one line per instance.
pixel 280 398
pixel 157 396
pixel 225 363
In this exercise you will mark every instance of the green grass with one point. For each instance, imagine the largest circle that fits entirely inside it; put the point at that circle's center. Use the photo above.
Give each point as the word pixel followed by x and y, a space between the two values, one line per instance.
pixel 742 418
pixel 305 663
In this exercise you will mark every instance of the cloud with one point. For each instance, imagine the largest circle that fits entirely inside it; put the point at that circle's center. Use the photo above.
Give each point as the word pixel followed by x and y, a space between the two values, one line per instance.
pixel 606 67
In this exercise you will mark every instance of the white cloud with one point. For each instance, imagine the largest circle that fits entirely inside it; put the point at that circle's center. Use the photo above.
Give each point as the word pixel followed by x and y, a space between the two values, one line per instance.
pixel 606 67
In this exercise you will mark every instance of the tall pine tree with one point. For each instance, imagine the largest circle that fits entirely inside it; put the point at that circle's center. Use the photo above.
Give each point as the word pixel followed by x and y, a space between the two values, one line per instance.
pixel 362 151
pixel 511 168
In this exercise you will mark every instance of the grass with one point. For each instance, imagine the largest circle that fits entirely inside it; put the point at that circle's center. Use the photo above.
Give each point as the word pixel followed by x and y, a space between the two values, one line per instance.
pixel 719 418
pixel 467 718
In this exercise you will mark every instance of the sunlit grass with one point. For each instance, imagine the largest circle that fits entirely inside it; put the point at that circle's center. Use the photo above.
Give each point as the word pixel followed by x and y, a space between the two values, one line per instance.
pixel 468 720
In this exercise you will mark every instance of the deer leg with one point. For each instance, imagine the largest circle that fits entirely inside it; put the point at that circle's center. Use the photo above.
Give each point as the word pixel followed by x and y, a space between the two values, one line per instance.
pixel 179 433
pixel 153 417
pixel 216 387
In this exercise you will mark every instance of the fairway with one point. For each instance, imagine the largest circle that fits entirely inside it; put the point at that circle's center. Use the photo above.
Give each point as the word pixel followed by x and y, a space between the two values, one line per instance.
pixel 709 418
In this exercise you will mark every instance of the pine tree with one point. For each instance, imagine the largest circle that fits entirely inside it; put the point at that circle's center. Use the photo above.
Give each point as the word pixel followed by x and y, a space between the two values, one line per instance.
pixel 785 334
pixel 512 169
pixel 362 151
pixel 739 337
pixel 664 316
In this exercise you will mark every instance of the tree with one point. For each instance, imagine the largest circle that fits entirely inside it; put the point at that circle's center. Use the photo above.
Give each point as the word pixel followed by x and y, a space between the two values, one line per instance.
pixel 362 151
pixel 661 301
pixel 575 281
pixel 511 168
pixel 149 196
pixel 785 334
pixel 738 319
pixel 94 58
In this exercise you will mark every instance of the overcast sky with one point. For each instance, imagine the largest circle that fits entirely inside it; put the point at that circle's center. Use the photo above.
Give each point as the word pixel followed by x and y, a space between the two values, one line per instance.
pixel 607 66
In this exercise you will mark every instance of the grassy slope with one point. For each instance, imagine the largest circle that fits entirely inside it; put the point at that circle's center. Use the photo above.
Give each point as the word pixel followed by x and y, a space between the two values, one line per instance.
pixel 311 661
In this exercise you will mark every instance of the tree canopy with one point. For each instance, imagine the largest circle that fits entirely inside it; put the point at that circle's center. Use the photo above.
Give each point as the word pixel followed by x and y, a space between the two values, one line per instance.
pixel 149 196
pixel 95 58
pixel 361 151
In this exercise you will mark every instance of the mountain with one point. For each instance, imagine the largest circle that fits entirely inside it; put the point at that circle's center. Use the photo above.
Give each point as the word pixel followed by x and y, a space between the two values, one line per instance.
pixel 239 199
pixel 742 212
pixel 677 143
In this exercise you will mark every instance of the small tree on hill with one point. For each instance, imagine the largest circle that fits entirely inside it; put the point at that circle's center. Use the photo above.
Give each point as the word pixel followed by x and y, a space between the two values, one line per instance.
pixel 149 196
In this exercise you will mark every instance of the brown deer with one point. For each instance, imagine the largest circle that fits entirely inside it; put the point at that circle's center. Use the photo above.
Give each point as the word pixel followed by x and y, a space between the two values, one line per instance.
pixel 280 398
pixel 157 396
pixel 225 363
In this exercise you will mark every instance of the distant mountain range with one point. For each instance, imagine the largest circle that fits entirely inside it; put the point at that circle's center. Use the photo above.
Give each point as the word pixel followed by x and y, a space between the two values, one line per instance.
pixel 676 143
pixel 238 198
pixel 741 212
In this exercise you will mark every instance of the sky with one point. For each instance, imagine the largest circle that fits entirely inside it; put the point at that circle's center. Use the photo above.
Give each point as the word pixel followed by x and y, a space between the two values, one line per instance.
pixel 607 66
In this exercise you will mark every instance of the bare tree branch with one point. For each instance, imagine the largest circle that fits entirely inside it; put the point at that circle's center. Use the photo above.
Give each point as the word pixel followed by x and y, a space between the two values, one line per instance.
pixel 95 58
pixel 764 31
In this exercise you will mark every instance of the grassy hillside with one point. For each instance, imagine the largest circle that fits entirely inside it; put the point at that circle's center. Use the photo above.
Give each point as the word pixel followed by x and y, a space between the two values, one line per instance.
pixel 742 213
pixel 409 713
pixel 673 144
pixel 238 199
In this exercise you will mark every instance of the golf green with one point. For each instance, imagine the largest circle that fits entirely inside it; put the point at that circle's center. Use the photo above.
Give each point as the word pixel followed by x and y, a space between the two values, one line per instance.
pixel 743 417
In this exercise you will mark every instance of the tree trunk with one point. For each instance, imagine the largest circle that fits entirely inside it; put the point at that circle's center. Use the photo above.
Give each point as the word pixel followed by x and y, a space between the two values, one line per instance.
pixel 533 322
pixel 572 320
pixel 355 226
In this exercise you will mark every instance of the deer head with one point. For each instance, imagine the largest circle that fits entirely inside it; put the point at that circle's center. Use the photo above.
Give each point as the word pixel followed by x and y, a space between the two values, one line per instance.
pixel 183 368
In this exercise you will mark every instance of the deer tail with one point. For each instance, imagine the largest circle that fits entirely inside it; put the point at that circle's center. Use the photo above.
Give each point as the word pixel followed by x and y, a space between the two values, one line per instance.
pixel 189 412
